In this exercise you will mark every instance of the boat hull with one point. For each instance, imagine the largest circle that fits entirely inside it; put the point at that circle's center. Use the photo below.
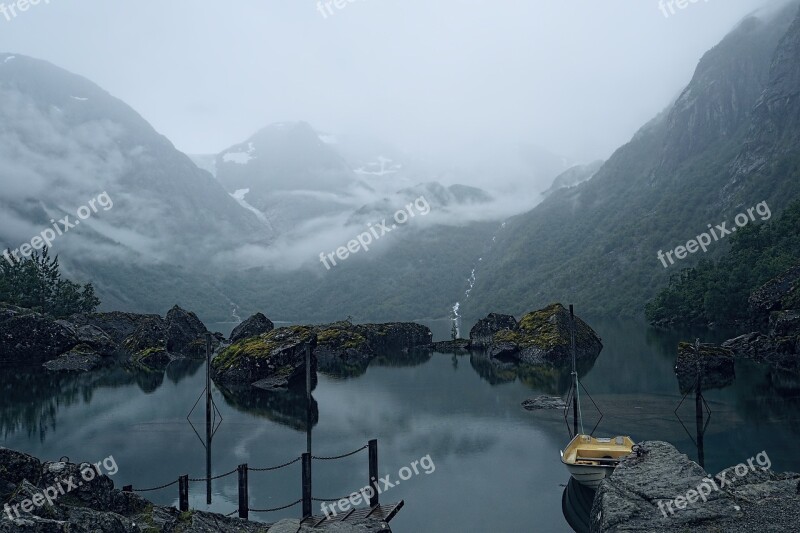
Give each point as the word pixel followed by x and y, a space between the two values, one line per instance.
pixel 589 476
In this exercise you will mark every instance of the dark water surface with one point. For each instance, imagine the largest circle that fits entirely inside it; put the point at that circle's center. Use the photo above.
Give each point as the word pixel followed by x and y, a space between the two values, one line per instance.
pixel 497 466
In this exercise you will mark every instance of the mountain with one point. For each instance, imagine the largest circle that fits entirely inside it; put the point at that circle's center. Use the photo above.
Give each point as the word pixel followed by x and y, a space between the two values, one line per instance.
pixel 574 175
pixel 63 144
pixel 726 144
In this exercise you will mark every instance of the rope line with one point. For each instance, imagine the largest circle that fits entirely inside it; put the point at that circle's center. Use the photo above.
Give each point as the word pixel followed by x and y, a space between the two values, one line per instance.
pixel 157 488
pixel 340 456
pixel 329 500
pixel 215 477
pixel 276 508
pixel 274 467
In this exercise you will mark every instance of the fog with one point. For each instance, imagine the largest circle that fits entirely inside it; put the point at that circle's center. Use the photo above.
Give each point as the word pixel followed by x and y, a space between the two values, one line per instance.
pixel 450 81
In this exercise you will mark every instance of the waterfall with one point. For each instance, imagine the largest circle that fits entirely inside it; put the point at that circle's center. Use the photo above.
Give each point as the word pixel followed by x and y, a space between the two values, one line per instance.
pixel 456 318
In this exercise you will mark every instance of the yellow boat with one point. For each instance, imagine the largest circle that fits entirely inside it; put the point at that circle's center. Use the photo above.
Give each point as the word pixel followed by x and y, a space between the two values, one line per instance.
pixel 591 459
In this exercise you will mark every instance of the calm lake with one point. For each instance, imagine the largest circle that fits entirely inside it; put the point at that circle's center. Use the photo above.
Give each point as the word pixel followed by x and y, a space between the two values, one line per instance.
pixel 497 466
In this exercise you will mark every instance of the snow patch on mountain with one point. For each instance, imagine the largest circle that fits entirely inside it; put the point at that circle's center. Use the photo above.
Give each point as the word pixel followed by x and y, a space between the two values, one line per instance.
pixel 240 158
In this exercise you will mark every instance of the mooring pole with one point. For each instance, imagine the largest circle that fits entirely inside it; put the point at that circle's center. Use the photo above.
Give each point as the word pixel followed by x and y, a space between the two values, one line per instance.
pixel 373 472
pixel 308 398
pixel 209 407
pixel 698 407
pixel 244 496
pixel 574 369
pixel 183 493
pixel 306 485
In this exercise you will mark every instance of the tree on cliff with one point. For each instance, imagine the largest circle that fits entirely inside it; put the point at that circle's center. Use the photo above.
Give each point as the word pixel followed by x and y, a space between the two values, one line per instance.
pixel 36 283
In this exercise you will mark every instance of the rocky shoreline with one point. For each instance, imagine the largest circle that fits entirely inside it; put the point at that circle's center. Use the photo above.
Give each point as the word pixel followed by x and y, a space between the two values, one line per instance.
pixel 96 506
pixel 660 489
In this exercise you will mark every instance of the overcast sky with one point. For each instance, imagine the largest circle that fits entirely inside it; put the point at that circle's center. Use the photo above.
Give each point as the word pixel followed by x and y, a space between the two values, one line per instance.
pixel 577 77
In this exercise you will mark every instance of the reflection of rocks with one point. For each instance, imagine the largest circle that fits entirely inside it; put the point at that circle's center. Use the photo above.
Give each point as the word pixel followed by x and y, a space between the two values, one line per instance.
pixel 711 364
pixel 288 407
pixel 271 360
pixel 544 403
pixel 759 500
pixel 255 325
pixel 540 337
pixel 552 379
pixel 32 399
pixel 458 346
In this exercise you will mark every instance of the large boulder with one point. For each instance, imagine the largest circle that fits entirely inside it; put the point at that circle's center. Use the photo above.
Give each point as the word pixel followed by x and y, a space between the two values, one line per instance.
pixel 271 360
pixel 255 325
pixel 186 334
pixel 543 337
pixel 116 325
pixel 779 347
pixel 341 350
pixel 30 337
pixel 704 365
pixel 657 489
pixel 394 335
pixel 482 333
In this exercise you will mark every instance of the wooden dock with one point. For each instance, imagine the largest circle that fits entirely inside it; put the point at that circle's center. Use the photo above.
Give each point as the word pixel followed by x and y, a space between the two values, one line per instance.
pixel 384 512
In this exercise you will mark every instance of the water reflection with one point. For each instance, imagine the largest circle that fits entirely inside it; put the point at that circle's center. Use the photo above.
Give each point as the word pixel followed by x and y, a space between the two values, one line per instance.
pixel 32 396
pixel 289 407
pixel 576 505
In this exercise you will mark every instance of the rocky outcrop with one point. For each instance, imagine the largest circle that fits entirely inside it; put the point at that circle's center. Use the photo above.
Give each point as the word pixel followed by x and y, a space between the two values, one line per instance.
pixel 658 489
pixel 542 337
pixel 482 333
pixel 270 361
pixel 116 325
pixel 255 325
pixel 96 506
pixel 30 337
pixel 156 341
pixel 777 294
pixel 544 402
pixel 779 347
pixel 704 365
pixel 394 335
pixel 186 334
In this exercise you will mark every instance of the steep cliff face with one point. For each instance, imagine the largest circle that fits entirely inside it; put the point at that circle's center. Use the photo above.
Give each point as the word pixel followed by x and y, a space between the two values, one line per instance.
pixel 771 146
pixel 719 100
pixel 596 243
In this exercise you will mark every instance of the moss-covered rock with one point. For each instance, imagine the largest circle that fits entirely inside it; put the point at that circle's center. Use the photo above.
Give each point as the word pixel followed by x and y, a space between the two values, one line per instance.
pixel 542 336
pixel 270 360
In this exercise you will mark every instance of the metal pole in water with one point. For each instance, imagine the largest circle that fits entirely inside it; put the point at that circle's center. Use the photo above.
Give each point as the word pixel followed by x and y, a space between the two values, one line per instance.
pixel 208 418
pixel 574 370
pixel 308 398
